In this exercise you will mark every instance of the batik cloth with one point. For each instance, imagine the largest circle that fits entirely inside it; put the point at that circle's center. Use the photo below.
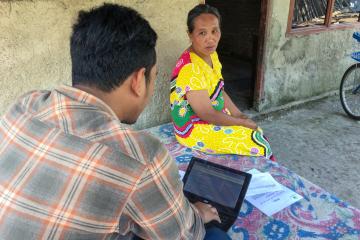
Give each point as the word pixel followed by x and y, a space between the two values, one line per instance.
pixel 192 73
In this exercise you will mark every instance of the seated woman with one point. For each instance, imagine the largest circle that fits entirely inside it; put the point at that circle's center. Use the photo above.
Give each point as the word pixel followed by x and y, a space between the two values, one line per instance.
pixel 204 116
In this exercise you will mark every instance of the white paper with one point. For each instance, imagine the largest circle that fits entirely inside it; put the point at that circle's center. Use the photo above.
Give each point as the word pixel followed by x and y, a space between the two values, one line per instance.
pixel 181 174
pixel 262 183
pixel 253 171
pixel 272 202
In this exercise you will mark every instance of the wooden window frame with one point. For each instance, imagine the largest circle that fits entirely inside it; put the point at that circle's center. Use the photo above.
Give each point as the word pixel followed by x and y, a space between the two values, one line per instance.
pixel 316 29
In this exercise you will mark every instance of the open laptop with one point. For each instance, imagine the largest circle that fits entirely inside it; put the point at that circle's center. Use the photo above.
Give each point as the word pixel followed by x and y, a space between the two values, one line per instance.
pixel 222 187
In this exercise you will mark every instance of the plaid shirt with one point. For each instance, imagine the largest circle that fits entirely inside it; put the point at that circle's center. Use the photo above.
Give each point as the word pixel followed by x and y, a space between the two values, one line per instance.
pixel 70 170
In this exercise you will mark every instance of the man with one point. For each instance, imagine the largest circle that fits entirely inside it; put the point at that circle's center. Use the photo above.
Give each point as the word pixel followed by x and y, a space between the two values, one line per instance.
pixel 70 168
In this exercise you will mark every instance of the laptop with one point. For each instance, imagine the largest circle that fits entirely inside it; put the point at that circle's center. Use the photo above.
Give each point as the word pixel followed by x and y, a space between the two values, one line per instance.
pixel 222 187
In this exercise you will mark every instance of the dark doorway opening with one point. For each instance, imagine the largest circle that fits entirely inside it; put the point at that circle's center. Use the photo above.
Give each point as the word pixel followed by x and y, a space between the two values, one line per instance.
pixel 238 48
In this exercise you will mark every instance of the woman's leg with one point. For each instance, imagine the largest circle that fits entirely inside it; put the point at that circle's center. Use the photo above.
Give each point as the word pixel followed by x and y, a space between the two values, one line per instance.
pixel 227 140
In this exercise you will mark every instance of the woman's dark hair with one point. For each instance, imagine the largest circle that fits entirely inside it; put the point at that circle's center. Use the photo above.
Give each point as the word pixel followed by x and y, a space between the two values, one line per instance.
pixel 108 44
pixel 197 11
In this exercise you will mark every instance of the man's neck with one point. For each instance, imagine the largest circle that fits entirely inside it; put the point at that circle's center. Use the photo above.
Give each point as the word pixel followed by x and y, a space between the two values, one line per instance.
pixel 106 97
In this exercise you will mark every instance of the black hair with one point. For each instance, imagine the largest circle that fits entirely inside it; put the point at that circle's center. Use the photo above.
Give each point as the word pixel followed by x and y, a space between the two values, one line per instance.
pixel 197 11
pixel 109 43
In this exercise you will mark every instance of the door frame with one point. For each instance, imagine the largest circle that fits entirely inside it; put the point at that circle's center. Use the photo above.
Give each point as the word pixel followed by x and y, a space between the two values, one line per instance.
pixel 259 93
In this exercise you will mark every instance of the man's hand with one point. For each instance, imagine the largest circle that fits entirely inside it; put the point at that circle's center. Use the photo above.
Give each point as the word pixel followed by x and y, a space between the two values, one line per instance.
pixel 207 212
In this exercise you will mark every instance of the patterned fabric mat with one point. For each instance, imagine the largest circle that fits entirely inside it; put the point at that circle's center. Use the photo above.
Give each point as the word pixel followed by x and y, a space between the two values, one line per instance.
pixel 319 215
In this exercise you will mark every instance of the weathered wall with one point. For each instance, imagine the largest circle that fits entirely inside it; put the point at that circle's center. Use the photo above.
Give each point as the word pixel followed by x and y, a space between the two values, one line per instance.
pixel 34 46
pixel 301 67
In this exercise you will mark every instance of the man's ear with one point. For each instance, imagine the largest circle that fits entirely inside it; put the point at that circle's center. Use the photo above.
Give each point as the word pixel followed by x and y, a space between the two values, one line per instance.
pixel 138 83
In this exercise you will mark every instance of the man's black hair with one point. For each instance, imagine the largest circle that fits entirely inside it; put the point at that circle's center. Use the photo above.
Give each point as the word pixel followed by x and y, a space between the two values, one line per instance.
pixel 197 11
pixel 108 43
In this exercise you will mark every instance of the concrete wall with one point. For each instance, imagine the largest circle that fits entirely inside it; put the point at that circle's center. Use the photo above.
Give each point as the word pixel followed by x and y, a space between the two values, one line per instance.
pixel 34 46
pixel 34 52
pixel 301 67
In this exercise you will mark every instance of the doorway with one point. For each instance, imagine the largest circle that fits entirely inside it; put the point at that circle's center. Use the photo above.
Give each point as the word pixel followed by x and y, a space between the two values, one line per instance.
pixel 240 49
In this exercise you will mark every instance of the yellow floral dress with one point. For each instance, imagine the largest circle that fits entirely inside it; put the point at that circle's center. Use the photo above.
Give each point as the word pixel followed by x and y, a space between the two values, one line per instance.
pixel 193 73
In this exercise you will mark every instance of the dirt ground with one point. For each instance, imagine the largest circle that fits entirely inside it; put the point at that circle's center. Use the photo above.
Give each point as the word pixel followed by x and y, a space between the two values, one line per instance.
pixel 319 142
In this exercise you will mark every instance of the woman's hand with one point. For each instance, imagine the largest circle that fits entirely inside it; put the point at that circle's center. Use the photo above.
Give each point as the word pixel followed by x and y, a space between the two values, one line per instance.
pixel 241 115
pixel 201 104
pixel 247 121
pixel 234 110
pixel 207 212
pixel 250 123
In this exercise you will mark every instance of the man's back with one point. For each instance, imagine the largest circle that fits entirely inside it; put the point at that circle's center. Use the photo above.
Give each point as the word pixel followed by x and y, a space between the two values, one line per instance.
pixel 70 170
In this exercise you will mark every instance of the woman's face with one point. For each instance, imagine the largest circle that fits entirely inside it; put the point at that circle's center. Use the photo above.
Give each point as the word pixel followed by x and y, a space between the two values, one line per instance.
pixel 206 34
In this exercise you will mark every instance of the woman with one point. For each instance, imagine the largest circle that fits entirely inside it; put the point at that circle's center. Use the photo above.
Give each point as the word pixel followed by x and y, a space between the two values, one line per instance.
pixel 203 114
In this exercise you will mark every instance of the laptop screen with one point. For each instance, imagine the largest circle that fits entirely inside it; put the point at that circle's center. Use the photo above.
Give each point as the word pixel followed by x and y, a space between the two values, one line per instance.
pixel 215 184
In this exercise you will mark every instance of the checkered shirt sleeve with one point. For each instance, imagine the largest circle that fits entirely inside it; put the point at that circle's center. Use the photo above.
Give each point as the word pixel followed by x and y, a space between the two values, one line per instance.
pixel 70 170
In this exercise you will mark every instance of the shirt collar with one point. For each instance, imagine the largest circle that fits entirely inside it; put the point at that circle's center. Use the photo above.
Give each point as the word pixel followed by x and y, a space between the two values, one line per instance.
pixel 85 98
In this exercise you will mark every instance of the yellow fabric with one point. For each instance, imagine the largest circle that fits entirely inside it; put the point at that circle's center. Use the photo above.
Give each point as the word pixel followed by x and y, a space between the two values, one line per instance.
pixel 198 75
pixel 227 140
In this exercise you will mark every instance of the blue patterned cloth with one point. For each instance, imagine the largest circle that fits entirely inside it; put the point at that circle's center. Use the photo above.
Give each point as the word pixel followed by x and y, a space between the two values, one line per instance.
pixel 319 215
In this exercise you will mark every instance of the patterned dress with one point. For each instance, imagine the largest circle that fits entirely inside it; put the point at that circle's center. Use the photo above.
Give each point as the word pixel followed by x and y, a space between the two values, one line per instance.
pixel 193 73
